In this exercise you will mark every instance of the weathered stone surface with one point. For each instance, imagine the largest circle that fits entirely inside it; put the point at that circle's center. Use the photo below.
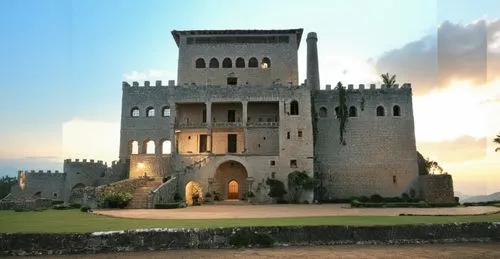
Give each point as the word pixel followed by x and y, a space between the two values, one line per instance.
pixel 163 239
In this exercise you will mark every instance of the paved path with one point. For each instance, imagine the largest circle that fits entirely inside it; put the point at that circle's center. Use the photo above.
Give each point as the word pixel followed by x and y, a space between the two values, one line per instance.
pixel 286 210
pixel 455 251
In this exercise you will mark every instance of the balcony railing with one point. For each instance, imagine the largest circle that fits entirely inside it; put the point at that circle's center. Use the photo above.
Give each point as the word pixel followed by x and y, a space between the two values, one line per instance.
pixel 224 124
pixel 190 125
pixel 263 124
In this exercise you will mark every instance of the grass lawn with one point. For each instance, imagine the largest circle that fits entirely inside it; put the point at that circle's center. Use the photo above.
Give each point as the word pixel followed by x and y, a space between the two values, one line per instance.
pixel 51 221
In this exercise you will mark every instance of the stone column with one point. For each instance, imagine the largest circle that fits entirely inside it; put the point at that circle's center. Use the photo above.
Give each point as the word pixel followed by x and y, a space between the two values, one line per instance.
pixel 244 121
pixel 208 108
pixel 158 147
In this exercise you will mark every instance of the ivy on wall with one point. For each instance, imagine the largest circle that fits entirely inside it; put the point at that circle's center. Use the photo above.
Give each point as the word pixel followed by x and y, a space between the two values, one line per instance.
pixel 343 113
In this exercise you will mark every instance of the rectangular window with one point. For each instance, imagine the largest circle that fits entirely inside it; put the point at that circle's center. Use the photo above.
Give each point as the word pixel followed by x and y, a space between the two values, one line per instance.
pixel 293 163
pixel 204 116
pixel 203 143
pixel 299 134
pixel 288 135
pixel 272 163
pixel 231 116
pixel 394 179
pixel 232 81
pixel 231 143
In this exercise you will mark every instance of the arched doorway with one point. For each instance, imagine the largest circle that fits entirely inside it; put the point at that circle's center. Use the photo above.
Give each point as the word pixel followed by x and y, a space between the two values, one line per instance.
pixel 233 190
pixel 193 189
pixel 230 180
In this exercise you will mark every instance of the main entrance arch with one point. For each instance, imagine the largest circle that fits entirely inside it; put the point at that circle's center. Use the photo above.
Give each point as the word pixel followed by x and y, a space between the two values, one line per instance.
pixel 230 180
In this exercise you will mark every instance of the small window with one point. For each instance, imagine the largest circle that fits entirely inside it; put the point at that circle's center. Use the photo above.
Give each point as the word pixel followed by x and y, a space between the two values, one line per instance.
pixel 135 112
pixel 288 135
pixel 293 163
pixel 266 63
pixel 380 111
pixel 253 62
pixel 272 163
pixel 232 81
pixel 394 179
pixel 294 108
pixel 353 111
pixel 150 112
pixel 337 111
pixel 227 63
pixel 240 63
pixel 323 113
pixel 214 63
pixel 200 63
pixel 55 195
pixel 396 111
pixel 299 134
pixel 166 111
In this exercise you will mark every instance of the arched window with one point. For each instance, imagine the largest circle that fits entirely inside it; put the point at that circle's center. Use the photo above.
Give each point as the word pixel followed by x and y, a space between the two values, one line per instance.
pixel 253 62
pixel 166 147
pixel 135 112
pixel 353 111
pixel 337 112
pixel 294 108
pixel 396 111
pixel 240 63
pixel 166 111
pixel 380 111
pixel 266 63
pixel 134 147
pixel 200 63
pixel 227 63
pixel 323 113
pixel 214 63
pixel 150 112
pixel 150 147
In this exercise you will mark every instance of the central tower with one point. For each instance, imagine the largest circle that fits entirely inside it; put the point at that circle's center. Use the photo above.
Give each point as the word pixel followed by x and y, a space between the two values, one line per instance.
pixel 238 57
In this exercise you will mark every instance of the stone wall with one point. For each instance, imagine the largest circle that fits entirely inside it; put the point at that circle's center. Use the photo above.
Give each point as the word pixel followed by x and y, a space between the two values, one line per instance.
pixel 436 188
pixel 379 155
pixel 164 193
pixel 164 239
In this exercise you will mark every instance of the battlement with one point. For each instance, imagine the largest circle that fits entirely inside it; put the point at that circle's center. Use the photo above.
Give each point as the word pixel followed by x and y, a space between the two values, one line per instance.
pixel 368 87
pixel 86 161
pixel 158 83
pixel 36 173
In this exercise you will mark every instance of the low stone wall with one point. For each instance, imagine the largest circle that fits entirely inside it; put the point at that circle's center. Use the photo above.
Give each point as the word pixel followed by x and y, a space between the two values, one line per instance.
pixel 436 188
pixel 164 193
pixel 90 196
pixel 163 239
pixel 28 205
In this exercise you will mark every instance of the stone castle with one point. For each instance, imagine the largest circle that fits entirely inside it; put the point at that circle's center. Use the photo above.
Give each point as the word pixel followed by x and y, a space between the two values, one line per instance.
pixel 238 115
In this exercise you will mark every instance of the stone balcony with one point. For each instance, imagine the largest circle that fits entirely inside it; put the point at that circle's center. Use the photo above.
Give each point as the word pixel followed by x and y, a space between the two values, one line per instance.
pixel 263 124
pixel 224 124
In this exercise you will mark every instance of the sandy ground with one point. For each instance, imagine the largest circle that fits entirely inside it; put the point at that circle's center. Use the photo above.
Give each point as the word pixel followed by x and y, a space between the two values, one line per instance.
pixel 286 210
pixel 456 251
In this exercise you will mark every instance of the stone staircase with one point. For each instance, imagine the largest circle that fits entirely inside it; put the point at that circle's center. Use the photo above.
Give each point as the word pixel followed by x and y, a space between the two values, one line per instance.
pixel 140 195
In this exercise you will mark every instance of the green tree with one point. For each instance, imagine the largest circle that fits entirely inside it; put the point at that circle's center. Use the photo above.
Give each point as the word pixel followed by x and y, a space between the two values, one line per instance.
pixel 388 80
pixel 497 141
pixel 6 182
pixel 432 166
pixel 298 182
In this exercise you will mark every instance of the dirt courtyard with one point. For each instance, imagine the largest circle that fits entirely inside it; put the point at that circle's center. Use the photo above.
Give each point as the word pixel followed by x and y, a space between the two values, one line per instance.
pixel 455 251
pixel 285 210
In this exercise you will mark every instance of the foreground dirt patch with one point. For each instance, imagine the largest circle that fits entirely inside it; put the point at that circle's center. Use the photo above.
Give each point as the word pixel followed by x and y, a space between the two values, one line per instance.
pixel 286 210
pixel 491 250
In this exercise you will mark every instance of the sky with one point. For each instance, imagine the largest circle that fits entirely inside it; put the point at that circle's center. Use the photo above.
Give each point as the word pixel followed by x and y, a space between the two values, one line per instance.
pixel 62 64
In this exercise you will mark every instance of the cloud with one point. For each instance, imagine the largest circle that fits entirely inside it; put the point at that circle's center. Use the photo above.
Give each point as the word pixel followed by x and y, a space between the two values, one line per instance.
pixel 464 148
pixel 137 75
pixel 457 52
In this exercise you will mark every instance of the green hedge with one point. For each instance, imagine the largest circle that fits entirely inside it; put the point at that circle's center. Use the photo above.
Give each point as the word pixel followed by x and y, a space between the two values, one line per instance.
pixel 420 204
pixel 167 206
pixel 116 199
pixel 247 239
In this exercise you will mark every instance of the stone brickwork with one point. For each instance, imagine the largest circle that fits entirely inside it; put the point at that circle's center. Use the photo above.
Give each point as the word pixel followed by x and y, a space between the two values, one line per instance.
pixel 379 155
pixel 165 193
pixel 436 188
pixel 185 238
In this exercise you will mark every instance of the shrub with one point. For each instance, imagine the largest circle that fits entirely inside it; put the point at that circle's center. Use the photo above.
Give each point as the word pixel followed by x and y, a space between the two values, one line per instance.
pixel 444 205
pixel 277 188
pixel 337 200
pixel 240 239
pixel 167 206
pixel 457 199
pixel 60 207
pixel 55 202
pixel 363 199
pixel 250 194
pixel 405 196
pixel 208 195
pixel 282 201
pixel 216 196
pixel 376 198
pixel 85 209
pixel 263 240
pixel 116 199
pixel 305 202
pixel 177 197
pixel 75 205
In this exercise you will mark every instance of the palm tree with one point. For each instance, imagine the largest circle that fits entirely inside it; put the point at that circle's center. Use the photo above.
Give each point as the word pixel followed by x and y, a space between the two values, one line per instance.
pixel 388 80
pixel 497 141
